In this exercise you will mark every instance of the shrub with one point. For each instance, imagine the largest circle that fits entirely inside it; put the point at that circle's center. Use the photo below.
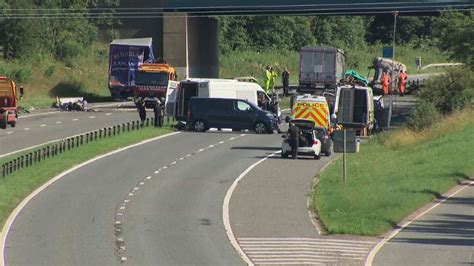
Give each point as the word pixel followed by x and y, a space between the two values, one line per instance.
pixel 49 72
pixel 68 50
pixel 423 116
pixel 449 92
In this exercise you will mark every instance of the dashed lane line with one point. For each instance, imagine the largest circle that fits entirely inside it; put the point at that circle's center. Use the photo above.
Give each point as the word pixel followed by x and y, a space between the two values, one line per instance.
pixel 75 119
pixel 92 116
pixel 120 242
pixel 27 128
pixel 43 125
pixel 59 122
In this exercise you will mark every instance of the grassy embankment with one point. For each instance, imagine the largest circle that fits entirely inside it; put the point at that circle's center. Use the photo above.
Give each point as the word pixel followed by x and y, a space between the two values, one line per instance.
pixel 45 78
pixel 15 187
pixel 394 175
pixel 249 63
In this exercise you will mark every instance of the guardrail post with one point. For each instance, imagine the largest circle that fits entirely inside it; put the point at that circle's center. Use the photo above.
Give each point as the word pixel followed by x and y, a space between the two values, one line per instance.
pixel 147 122
pixel 14 164
pixel 133 125
pixel 47 152
pixel 22 161
pixel 4 170
pixel 109 132
pixel 68 144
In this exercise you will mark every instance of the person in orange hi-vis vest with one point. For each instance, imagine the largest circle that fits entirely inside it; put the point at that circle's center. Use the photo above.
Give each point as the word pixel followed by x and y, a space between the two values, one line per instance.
pixel 385 83
pixel 402 80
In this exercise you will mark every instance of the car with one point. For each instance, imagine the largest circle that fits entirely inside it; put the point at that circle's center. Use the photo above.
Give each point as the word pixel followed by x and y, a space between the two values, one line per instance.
pixel 237 114
pixel 309 143
pixel 326 142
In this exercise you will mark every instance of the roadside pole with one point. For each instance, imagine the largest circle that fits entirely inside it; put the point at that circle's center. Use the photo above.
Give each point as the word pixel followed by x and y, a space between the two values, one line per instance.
pixel 393 76
pixel 344 157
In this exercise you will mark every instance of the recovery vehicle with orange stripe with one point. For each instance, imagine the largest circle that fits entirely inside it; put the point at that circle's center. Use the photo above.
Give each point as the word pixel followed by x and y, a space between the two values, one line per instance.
pixel 313 108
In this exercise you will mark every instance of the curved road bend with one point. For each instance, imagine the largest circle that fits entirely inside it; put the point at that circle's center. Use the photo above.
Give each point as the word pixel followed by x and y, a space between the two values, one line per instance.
pixel 443 236
pixel 35 130
pixel 174 218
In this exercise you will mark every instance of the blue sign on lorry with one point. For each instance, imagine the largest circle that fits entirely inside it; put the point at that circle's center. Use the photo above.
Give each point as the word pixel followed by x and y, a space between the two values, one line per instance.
pixel 125 56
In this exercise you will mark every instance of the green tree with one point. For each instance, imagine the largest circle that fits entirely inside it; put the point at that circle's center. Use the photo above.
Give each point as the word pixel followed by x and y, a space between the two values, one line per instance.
pixel 455 32
pixel 342 32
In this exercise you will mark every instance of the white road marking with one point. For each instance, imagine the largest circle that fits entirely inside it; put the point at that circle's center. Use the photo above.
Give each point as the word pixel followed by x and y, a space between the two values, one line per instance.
pixel 123 259
pixel 130 194
pixel 200 150
pixel 142 183
pixel 188 155
pixel 135 188
pixel 93 116
pixel 27 128
pixel 232 138
pixel 173 163
pixel 165 167
pixel 59 122
pixel 122 207
pixel 181 158
pixel 149 177
pixel 75 119
pixel 126 201
pixel 107 114
pixel 119 214
pixel 43 125
pixel 118 222
pixel 211 146
pixel 10 132
pixel 221 142
pixel 306 250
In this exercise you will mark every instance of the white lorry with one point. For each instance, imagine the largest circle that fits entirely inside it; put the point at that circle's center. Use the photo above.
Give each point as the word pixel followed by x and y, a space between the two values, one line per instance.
pixel 178 98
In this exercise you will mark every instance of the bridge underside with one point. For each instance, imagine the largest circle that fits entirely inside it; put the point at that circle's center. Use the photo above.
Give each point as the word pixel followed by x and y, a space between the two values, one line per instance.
pixel 252 7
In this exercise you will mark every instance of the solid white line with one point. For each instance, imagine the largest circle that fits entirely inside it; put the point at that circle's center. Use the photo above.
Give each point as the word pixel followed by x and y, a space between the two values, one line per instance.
pixel 322 258
pixel 16 211
pixel 312 243
pixel 27 128
pixel 305 248
pixel 325 240
pixel 292 263
pixel 225 209
pixel 282 247
pixel 283 261
pixel 376 249
pixel 283 253
pixel 32 115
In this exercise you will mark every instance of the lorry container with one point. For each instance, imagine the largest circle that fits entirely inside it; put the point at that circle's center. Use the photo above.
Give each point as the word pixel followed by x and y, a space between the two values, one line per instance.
pixel 320 68
pixel 125 57
pixel 177 102
pixel 355 108
pixel 8 102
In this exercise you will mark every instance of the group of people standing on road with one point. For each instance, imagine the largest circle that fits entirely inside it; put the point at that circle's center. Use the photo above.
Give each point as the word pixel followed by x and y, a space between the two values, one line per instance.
pixel 269 80
pixel 402 80
pixel 158 112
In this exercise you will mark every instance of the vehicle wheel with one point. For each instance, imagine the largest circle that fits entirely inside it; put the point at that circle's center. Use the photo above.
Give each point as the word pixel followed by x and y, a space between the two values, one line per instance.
pixel 199 126
pixel 284 155
pixel 328 153
pixel 317 156
pixel 260 128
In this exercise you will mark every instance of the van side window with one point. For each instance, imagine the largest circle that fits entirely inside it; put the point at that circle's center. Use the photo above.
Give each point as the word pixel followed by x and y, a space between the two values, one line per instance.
pixel 243 106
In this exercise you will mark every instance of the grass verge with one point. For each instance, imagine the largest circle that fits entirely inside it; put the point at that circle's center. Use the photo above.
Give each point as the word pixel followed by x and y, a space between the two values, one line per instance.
pixel 394 175
pixel 15 187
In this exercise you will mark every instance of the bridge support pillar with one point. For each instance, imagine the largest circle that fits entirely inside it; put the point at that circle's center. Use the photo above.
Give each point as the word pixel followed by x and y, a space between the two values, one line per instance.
pixel 191 45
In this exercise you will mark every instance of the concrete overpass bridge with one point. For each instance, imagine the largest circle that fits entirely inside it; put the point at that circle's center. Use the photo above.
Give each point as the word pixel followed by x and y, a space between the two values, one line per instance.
pixel 186 34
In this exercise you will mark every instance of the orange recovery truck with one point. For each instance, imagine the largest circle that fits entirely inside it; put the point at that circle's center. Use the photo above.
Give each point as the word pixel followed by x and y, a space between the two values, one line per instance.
pixel 8 102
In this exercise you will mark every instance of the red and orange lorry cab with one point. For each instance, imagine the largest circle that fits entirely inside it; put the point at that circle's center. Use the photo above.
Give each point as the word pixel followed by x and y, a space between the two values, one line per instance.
pixel 8 102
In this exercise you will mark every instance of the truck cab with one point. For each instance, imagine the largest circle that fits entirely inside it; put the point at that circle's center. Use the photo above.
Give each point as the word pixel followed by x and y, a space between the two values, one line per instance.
pixel 8 102
pixel 152 81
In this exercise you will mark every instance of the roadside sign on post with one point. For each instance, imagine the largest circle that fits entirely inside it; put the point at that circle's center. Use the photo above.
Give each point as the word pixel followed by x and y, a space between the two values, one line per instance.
pixel 338 140
pixel 387 52
pixel 418 62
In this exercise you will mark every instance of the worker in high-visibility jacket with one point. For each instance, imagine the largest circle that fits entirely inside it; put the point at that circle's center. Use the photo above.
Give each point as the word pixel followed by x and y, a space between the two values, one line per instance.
pixel 266 79
pixel 385 82
pixel 273 76
pixel 402 80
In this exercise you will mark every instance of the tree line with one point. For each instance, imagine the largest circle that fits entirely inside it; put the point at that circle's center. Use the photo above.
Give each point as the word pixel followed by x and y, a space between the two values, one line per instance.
pixel 452 32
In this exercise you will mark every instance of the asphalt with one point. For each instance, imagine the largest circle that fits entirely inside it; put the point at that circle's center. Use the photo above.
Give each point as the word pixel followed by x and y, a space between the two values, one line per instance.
pixel 173 218
pixel 444 236
pixel 36 129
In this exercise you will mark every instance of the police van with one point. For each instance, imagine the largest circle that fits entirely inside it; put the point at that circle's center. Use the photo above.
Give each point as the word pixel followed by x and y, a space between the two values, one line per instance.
pixel 313 108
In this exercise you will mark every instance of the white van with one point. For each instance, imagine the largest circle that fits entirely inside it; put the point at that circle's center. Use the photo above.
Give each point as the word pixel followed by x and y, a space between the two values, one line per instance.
pixel 177 105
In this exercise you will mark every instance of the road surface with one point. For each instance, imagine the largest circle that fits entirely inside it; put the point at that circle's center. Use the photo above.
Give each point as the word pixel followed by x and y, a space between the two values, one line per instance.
pixel 443 236
pixel 39 128
pixel 159 203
